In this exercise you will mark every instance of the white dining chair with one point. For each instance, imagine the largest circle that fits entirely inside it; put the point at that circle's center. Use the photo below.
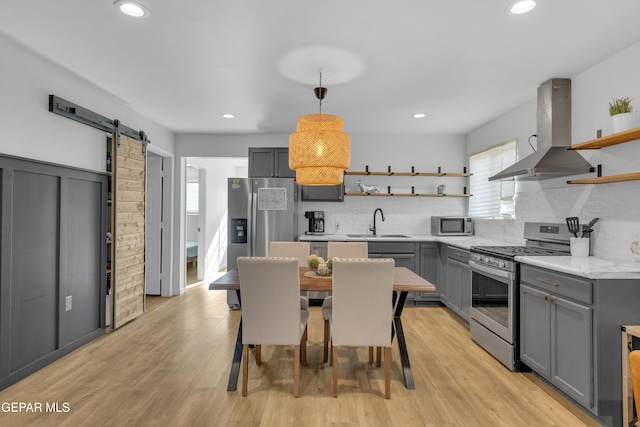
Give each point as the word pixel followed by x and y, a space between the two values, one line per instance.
pixel 271 314
pixel 362 310
pixel 340 250
pixel 299 250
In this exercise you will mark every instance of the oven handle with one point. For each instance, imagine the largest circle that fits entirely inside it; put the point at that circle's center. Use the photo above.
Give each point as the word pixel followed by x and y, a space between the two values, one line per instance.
pixel 492 272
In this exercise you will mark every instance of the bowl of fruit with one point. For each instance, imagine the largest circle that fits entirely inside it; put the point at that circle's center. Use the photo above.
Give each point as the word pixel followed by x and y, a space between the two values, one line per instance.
pixel 319 265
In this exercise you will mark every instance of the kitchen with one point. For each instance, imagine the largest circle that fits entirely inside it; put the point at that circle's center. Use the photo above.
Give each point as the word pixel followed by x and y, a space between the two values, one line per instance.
pixel 550 201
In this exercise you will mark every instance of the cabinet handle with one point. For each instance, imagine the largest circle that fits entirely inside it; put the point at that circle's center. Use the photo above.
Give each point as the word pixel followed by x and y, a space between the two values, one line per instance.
pixel 548 282
pixel 547 298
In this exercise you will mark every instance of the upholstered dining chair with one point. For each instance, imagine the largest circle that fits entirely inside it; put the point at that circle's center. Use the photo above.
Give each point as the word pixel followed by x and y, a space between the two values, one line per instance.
pixel 369 282
pixel 271 314
pixel 634 365
pixel 299 250
pixel 340 250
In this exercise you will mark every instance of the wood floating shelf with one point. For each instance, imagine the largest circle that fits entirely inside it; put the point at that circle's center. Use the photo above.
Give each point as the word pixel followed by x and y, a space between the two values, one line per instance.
pixel 364 173
pixel 405 194
pixel 609 140
pixel 606 179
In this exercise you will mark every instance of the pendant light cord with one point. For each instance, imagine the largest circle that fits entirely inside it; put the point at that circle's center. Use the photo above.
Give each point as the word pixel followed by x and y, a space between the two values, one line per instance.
pixel 320 97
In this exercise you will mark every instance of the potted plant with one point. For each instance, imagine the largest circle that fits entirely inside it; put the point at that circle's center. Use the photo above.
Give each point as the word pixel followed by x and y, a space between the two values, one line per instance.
pixel 622 115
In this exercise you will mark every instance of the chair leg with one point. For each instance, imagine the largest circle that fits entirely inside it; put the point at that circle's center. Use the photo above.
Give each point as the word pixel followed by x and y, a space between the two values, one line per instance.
pixel 326 340
pixel 331 356
pixel 245 368
pixel 387 372
pixel 296 371
pixel 258 354
pixel 370 355
pixel 334 358
pixel 379 355
pixel 303 344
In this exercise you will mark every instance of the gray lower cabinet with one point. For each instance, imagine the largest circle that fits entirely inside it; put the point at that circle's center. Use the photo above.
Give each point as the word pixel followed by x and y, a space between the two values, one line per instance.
pixel 429 258
pixel 458 281
pixel 404 254
pixel 570 329
pixel 556 341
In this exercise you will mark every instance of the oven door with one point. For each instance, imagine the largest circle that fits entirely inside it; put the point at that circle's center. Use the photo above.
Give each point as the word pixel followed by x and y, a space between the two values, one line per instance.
pixel 493 299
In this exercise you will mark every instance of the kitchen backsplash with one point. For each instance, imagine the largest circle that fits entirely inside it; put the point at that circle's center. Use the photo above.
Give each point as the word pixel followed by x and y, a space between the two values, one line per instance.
pixel 617 205
pixel 408 215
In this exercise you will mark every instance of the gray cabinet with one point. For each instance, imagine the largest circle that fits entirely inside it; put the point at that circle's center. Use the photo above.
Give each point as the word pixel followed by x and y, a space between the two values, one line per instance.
pixel 556 339
pixel 269 163
pixel 428 265
pixel 570 335
pixel 404 254
pixel 458 281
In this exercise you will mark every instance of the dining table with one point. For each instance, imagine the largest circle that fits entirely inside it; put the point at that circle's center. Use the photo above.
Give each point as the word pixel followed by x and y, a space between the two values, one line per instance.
pixel 404 281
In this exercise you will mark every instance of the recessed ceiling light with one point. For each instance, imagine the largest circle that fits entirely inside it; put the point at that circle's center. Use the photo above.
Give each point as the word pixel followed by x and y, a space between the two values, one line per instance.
pixel 132 8
pixel 419 115
pixel 520 6
pixel 228 115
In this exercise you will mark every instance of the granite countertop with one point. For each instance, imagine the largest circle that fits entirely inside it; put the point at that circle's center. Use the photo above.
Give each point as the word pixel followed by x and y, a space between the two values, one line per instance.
pixel 591 267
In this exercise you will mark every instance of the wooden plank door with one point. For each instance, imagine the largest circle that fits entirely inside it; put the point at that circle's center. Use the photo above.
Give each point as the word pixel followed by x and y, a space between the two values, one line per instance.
pixel 129 289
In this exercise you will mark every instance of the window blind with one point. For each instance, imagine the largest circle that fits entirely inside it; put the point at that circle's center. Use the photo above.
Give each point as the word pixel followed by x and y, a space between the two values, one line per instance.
pixel 492 199
pixel 192 196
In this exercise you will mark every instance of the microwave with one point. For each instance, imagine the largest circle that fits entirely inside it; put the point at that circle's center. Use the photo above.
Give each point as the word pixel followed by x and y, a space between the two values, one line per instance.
pixel 451 226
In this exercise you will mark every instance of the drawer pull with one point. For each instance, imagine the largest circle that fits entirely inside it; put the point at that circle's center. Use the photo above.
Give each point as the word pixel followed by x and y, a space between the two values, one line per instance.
pixel 548 282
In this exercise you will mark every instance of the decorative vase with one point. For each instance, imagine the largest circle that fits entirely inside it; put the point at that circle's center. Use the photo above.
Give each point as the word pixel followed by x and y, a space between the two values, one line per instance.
pixel 624 121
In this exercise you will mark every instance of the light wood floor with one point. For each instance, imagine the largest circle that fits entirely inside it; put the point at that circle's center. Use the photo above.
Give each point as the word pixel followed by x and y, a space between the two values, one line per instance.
pixel 170 367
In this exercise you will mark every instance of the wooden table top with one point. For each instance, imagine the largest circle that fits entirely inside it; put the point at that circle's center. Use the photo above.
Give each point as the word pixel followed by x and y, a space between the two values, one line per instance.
pixel 404 280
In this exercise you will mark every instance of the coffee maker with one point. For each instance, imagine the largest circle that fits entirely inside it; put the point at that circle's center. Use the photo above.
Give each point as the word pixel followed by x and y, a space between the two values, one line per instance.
pixel 316 222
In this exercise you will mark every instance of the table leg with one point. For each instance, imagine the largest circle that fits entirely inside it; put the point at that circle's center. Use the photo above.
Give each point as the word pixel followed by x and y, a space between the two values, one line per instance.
pixel 402 345
pixel 237 357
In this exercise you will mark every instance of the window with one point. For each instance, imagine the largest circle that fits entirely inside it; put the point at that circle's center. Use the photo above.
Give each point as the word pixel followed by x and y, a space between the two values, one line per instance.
pixel 492 199
pixel 193 188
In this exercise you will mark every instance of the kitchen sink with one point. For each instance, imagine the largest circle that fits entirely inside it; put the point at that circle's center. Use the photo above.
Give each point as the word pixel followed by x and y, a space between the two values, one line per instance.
pixel 360 236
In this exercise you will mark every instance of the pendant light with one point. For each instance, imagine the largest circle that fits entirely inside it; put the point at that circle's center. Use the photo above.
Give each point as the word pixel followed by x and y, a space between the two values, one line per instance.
pixel 319 150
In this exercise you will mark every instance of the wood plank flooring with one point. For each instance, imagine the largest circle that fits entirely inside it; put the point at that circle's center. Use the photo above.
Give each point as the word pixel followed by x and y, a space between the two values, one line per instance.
pixel 171 366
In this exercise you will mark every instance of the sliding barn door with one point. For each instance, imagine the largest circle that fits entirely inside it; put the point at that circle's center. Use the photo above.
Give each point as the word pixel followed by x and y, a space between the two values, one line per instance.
pixel 130 172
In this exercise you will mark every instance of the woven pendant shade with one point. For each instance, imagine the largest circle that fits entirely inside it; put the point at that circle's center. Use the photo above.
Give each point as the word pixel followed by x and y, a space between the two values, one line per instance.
pixel 319 150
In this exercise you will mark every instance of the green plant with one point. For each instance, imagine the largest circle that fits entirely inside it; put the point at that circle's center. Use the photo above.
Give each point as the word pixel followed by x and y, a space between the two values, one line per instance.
pixel 620 105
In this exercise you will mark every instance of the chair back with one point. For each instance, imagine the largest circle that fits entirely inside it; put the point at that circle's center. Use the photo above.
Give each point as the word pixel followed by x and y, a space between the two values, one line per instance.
pixel 634 365
pixel 299 250
pixel 348 249
pixel 362 302
pixel 270 297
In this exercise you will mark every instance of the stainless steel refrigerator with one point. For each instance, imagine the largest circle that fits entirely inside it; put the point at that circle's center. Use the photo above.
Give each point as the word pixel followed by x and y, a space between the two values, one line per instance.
pixel 260 210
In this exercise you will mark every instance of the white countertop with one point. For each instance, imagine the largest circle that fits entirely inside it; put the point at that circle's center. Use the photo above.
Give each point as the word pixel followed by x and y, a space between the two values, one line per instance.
pixel 464 242
pixel 590 267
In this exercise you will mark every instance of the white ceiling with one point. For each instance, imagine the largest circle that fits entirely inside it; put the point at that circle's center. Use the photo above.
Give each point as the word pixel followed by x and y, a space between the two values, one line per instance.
pixel 462 62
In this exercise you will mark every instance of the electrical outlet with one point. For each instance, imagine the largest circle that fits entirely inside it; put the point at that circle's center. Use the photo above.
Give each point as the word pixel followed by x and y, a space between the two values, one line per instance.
pixel 68 303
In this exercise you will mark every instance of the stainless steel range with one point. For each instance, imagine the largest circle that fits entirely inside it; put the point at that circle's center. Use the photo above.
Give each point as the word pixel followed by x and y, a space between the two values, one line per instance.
pixel 495 279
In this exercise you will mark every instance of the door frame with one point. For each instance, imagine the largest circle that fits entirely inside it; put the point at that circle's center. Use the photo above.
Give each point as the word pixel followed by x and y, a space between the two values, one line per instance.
pixel 166 261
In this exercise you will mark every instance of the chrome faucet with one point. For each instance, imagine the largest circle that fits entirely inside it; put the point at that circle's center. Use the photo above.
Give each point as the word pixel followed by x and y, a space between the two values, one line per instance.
pixel 374 220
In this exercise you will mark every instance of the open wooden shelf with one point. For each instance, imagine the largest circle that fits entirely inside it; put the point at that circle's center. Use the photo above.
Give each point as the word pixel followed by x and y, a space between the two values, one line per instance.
pixel 364 173
pixel 405 194
pixel 609 140
pixel 606 179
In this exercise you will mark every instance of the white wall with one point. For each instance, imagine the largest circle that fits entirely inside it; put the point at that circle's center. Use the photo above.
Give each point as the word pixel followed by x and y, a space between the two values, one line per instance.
pixel 616 204
pixel 403 214
pixel 30 130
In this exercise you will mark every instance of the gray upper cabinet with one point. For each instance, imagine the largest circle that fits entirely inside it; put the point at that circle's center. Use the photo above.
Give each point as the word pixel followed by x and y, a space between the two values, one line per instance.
pixel 269 163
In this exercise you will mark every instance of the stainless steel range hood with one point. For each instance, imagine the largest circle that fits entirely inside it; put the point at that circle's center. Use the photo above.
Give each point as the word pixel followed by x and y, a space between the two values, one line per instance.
pixel 552 159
